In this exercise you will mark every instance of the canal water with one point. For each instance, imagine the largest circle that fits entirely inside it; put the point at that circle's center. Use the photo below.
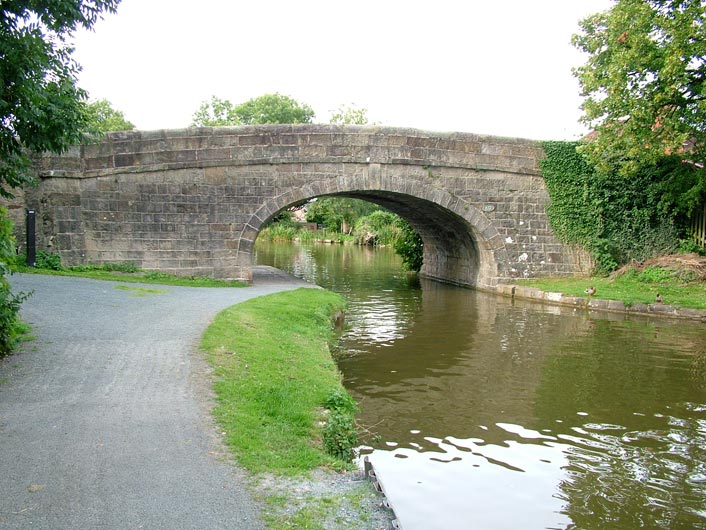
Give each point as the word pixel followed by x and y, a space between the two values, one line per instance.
pixel 487 414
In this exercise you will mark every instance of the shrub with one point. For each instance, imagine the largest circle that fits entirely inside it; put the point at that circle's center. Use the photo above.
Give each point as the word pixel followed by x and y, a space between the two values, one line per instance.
pixel 10 326
pixel 48 260
pixel 11 329
pixel 410 247
pixel 340 435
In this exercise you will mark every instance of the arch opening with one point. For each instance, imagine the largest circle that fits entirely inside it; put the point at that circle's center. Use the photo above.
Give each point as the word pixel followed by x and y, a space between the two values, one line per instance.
pixel 455 251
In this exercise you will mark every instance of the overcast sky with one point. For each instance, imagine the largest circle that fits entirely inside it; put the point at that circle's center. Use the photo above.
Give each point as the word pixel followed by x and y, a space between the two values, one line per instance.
pixel 498 67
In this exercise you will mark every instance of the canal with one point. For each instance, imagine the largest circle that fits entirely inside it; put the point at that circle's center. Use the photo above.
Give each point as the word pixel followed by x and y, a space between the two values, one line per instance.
pixel 484 413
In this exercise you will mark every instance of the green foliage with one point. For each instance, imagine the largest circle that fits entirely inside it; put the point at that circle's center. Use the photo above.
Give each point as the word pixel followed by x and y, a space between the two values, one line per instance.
pixel 340 435
pixel 127 268
pixel 273 108
pixel 644 84
pixel 569 179
pixel 11 328
pixel 269 108
pixel 381 227
pixel 349 115
pixel 335 212
pixel 103 118
pixel 48 261
pixel 341 400
pixel 689 246
pixel 215 113
pixel 410 247
pixel 617 219
pixel 41 108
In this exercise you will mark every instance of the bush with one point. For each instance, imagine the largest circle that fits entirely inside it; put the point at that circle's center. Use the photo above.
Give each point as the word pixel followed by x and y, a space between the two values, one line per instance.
pixel 340 435
pixel 10 326
pixel 49 261
pixel 410 247
pixel 11 329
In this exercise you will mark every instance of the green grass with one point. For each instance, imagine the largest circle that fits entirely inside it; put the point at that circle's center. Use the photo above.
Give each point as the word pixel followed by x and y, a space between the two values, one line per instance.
pixel 631 288
pixel 117 274
pixel 274 372
pixel 317 513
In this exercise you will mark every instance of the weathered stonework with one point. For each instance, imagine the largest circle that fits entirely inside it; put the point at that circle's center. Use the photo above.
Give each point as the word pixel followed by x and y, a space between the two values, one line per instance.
pixel 192 201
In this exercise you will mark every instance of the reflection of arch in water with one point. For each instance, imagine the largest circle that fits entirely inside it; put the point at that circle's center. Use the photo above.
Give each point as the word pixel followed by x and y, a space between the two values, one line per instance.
pixel 461 245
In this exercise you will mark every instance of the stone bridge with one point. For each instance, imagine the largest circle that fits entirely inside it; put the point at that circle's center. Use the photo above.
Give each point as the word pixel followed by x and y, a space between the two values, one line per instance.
pixel 193 201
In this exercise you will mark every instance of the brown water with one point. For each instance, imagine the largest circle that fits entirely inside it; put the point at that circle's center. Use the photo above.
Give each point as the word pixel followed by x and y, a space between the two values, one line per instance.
pixel 488 414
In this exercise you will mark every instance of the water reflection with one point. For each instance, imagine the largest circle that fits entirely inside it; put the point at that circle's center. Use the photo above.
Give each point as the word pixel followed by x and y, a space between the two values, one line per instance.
pixel 490 414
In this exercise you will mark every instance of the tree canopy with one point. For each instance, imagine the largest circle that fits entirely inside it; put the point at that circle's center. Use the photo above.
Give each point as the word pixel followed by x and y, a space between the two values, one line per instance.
pixel 349 115
pixel 644 83
pixel 102 118
pixel 41 106
pixel 216 112
pixel 269 108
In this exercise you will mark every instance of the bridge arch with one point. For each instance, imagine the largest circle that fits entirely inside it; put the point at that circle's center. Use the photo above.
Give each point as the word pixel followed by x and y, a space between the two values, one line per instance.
pixel 461 245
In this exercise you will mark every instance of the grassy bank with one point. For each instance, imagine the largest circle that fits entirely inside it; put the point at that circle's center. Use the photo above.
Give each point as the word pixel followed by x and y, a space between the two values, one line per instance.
pixel 285 414
pixel 119 273
pixel 679 280
pixel 274 377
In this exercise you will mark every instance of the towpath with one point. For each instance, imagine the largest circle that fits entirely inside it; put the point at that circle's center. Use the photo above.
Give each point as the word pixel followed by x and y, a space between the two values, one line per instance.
pixel 104 418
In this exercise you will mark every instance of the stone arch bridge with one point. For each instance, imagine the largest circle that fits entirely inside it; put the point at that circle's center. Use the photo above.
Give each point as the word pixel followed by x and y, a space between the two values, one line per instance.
pixel 193 201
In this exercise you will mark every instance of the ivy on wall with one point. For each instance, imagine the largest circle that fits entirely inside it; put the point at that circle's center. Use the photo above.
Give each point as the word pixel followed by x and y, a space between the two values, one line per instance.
pixel 616 218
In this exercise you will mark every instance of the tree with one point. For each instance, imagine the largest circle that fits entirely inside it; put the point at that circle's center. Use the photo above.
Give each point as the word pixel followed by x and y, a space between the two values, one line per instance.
pixel 270 108
pixel 644 84
pixel 349 115
pixel 273 108
pixel 41 107
pixel 102 118
pixel 338 214
pixel 215 113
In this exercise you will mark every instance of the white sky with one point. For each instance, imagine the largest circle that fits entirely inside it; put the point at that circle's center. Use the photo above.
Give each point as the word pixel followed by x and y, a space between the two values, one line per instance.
pixel 500 67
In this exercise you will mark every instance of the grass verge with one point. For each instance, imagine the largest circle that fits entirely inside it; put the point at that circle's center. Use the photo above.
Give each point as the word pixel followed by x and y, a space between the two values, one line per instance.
pixel 628 288
pixel 284 413
pixel 111 273
pixel 274 375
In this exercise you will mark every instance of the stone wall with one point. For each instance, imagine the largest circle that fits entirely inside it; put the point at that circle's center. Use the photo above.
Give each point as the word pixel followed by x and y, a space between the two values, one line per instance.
pixel 192 201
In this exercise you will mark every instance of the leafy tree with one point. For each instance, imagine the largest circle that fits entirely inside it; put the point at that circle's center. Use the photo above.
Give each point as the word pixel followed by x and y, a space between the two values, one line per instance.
pixel 41 108
pixel 644 85
pixel 337 213
pixel 349 115
pixel 104 118
pixel 273 108
pixel 214 113
pixel 410 247
pixel 270 108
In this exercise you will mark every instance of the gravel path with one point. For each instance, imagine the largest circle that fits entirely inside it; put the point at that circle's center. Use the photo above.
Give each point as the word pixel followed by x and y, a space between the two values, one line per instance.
pixel 104 419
